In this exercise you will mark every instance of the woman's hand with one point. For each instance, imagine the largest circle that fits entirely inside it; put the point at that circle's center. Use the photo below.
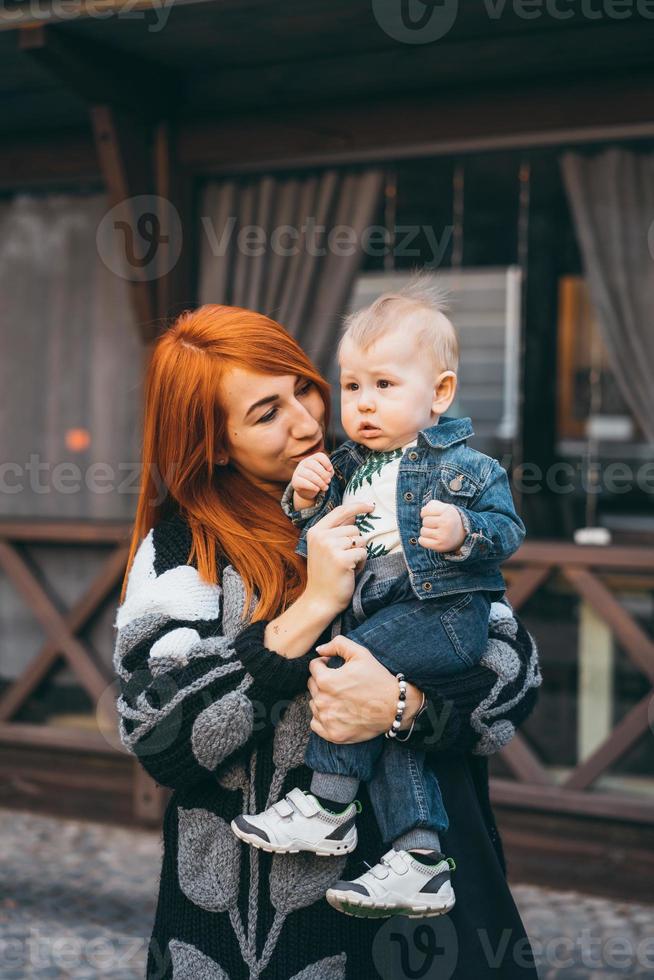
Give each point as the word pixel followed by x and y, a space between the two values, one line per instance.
pixel 341 703
pixel 335 552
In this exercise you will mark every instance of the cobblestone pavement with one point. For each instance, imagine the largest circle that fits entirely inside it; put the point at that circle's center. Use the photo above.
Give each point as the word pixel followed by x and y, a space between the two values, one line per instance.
pixel 77 902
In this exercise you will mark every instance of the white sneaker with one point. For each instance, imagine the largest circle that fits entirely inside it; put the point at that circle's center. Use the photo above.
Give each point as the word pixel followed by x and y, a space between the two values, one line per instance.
pixel 398 885
pixel 299 823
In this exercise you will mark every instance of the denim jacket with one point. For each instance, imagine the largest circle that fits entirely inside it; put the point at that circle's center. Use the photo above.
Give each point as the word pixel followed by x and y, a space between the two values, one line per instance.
pixel 439 467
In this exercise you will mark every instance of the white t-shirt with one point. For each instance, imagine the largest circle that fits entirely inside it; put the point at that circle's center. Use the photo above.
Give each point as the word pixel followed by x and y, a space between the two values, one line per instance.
pixel 376 480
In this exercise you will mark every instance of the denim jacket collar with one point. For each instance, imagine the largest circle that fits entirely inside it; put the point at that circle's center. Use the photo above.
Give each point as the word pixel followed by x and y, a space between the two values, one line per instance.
pixel 446 432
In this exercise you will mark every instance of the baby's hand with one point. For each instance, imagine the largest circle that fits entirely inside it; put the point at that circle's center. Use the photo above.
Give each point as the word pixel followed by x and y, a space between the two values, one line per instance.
pixel 442 527
pixel 311 475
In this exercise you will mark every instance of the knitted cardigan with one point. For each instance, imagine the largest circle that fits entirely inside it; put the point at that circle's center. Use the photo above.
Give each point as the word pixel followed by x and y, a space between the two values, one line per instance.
pixel 223 721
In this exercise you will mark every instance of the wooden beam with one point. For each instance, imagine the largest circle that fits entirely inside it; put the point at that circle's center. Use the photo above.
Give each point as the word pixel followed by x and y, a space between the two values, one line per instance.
pixel 524 763
pixel 124 153
pixel 545 112
pixel 177 250
pixel 560 553
pixel 484 59
pixel 56 627
pixel 66 532
pixel 628 633
pixel 514 794
pixel 52 736
pixel 632 727
pixel 528 581
pixel 542 113
pixel 37 160
pixel 53 12
pixel 88 68
pixel 37 670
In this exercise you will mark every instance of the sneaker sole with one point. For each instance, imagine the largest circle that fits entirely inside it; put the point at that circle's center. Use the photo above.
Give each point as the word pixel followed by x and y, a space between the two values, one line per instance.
pixel 354 904
pixel 333 850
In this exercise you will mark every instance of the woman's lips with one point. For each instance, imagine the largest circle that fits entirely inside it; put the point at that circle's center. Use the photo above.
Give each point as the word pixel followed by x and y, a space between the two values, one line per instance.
pixel 308 452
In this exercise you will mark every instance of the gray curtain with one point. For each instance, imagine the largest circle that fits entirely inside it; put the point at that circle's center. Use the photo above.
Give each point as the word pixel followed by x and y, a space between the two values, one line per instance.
pixel 260 248
pixel 71 367
pixel 612 201
pixel 71 364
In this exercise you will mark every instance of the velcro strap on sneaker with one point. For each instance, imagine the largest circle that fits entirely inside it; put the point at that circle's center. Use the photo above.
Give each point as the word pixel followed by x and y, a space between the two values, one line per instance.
pixel 307 807
pixel 397 863
pixel 284 808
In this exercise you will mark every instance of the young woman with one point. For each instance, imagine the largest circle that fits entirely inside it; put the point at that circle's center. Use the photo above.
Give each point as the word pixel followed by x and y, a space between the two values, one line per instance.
pixel 220 683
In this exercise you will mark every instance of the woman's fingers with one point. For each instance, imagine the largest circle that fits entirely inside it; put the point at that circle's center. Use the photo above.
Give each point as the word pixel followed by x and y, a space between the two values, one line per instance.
pixel 342 646
pixel 344 513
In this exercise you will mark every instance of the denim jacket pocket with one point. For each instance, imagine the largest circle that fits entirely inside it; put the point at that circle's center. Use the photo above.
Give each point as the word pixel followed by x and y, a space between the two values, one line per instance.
pixel 455 486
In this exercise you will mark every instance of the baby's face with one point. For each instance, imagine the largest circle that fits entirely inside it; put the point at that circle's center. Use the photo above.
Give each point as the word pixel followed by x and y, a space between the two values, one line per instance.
pixel 387 392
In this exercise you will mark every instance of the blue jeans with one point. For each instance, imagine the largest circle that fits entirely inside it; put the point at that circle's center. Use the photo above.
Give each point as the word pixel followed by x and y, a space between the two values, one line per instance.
pixel 425 640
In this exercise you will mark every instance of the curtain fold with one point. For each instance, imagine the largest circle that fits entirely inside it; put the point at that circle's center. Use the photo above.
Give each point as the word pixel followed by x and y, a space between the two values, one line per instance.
pixel 278 245
pixel 612 200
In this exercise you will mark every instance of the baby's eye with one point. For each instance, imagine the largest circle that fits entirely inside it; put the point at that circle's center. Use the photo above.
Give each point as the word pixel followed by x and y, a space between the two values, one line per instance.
pixel 383 383
pixel 350 386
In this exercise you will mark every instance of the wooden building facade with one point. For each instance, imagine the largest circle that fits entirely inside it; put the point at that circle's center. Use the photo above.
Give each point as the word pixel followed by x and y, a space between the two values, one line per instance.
pixel 477 151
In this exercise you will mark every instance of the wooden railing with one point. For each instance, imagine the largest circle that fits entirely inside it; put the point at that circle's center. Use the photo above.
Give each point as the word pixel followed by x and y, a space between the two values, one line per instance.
pixel 603 619
pixel 534 785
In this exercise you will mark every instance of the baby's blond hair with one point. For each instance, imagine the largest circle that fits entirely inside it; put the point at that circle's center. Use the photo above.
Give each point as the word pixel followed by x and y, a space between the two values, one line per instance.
pixel 419 308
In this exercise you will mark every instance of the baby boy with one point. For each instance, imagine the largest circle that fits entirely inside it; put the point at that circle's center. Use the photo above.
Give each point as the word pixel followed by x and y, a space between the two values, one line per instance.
pixel 443 521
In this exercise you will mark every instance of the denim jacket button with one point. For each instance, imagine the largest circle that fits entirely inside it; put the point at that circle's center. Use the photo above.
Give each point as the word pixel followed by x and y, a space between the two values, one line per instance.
pixel 413 541
pixel 427 586
pixel 456 483
pixel 413 455
pixel 408 495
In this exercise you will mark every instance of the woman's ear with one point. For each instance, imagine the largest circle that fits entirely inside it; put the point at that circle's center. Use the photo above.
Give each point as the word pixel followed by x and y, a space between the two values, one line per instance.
pixel 444 392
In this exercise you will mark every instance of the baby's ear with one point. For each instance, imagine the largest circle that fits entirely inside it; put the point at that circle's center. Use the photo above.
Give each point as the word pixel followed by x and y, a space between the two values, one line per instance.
pixel 444 392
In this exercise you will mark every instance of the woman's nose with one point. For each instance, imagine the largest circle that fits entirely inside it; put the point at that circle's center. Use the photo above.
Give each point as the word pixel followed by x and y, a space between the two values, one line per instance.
pixel 304 424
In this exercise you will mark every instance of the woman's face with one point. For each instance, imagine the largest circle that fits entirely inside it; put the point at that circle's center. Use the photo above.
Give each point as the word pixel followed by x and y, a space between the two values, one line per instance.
pixel 272 422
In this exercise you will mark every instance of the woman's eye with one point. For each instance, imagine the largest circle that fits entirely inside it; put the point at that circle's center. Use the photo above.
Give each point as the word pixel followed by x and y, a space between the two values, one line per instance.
pixel 304 390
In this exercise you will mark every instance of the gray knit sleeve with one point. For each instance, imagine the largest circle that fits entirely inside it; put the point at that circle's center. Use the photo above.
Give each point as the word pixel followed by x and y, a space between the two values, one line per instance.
pixel 187 703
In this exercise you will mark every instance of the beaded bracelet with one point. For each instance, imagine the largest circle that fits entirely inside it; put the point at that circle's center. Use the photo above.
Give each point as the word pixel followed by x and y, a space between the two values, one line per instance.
pixel 401 705
pixel 413 723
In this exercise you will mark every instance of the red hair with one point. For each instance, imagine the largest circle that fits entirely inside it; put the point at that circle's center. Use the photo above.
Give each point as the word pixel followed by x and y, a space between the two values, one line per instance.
pixel 183 435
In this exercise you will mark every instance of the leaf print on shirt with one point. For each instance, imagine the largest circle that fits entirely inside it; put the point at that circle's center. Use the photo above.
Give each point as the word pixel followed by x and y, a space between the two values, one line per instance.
pixel 364 522
pixel 376 550
pixel 373 465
